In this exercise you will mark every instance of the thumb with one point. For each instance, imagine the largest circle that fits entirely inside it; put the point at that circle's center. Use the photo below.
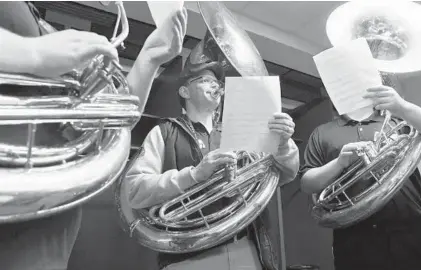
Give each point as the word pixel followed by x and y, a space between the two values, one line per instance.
pixel 376 135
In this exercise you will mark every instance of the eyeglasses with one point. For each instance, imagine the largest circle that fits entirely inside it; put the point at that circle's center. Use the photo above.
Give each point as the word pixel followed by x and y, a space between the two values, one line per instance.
pixel 208 80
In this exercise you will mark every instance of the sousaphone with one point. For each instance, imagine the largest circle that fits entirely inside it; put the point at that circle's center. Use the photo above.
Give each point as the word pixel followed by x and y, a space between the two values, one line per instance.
pixel 180 225
pixel 92 108
pixel 391 31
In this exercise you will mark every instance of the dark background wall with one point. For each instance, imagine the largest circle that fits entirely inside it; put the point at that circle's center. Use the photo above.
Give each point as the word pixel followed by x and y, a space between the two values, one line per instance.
pixel 306 243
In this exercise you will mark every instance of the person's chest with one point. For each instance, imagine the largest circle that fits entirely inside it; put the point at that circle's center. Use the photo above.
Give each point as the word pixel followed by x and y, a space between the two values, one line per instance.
pixel 338 136
pixel 207 142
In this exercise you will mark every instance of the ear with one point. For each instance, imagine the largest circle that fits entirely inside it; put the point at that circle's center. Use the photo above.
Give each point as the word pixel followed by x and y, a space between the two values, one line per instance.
pixel 184 92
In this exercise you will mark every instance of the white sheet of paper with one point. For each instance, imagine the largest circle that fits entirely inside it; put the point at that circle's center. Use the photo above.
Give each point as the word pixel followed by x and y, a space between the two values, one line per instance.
pixel 249 104
pixel 161 10
pixel 347 71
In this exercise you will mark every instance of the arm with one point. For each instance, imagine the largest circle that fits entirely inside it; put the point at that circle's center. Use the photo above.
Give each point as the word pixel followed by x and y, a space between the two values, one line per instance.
pixel 288 161
pixel 141 76
pixel 157 50
pixel 147 184
pixel 386 98
pixel 53 54
pixel 315 173
pixel 316 179
pixel 412 115
pixel 16 47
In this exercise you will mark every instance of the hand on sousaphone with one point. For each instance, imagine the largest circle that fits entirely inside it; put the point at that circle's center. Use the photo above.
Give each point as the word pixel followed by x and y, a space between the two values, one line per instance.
pixel 212 162
pixel 350 153
pixel 60 52
pixel 53 54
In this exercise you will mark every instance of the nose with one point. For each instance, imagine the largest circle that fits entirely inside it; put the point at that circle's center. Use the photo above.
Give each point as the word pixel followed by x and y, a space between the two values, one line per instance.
pixel 215 85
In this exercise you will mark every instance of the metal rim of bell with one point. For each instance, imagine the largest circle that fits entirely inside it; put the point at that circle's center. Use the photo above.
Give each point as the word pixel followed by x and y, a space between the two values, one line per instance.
pixel 343 19
pixel 259 68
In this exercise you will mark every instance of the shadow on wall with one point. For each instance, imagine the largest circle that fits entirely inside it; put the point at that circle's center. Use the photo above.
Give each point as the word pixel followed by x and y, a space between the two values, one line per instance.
pixel 305 241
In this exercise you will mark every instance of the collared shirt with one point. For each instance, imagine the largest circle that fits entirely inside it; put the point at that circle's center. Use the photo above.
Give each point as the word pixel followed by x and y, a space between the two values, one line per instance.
pixel 325 144
pixel 203 138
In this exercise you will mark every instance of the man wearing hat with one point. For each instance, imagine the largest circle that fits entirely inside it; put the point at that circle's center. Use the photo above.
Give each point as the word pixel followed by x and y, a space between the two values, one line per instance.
pixel 178 153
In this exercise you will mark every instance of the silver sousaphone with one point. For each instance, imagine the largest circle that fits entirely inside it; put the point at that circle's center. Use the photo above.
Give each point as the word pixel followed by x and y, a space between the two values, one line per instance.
pixel 94 108
pixel 392 32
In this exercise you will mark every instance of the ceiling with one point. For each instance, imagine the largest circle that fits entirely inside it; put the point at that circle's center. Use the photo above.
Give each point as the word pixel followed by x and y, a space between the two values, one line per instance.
pixel 287 34
pixel 297 28
pixel 304 19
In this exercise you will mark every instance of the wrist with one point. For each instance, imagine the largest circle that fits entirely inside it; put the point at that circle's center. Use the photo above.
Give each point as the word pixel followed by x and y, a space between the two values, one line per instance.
pixel 406 109
pixel 193 174
pixel 34 59
pixel 283 144
pixel 338 165
pixel 283 147
pixel 149 59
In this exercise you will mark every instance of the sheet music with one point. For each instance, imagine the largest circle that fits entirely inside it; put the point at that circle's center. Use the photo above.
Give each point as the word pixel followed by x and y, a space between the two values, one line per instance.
pixel 347 71
pixel 161 10
pixel 249 104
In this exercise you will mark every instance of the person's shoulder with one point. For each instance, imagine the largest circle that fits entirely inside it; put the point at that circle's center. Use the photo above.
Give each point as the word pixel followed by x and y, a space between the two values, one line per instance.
pixel 167 122
pixel 169 125
pixel 327 126
pixel 325 132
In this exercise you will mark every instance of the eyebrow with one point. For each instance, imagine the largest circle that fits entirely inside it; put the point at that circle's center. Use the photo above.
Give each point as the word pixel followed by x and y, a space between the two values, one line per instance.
pixel 203 77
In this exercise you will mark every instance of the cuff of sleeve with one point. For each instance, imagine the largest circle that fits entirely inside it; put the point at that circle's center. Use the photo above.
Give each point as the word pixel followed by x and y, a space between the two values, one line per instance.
pixel 186 179
pixel 286 147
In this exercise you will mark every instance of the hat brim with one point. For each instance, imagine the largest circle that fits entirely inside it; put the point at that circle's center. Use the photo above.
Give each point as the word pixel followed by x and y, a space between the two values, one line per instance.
pixel 195 70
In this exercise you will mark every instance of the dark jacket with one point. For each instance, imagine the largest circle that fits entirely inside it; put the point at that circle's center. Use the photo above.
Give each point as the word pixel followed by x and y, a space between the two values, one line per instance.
pixel 182 150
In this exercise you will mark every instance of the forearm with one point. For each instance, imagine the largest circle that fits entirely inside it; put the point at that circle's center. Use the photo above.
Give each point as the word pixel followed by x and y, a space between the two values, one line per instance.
pixel 288 161
pixel 412 115
pixel 147 183
pixel 146 190
pixel 18 56
pixel 141 77
pixel 316 179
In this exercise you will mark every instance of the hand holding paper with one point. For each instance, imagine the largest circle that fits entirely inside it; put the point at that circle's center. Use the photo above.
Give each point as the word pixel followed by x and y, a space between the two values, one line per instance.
pixel 166 41
pixel 347 72
pixel 162 10
pixel 249 104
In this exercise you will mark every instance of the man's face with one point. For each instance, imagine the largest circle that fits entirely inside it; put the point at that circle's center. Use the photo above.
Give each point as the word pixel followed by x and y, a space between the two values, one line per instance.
pixel 205 90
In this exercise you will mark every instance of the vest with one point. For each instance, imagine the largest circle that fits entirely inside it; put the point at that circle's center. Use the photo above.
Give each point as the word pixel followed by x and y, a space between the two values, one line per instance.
pixel 181 150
